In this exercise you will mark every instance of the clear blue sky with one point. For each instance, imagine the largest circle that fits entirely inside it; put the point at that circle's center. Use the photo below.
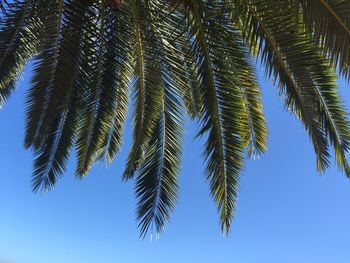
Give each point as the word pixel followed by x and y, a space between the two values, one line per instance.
pixel 286 213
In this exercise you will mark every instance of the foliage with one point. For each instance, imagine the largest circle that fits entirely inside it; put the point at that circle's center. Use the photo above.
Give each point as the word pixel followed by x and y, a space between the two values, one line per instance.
pixel 173 58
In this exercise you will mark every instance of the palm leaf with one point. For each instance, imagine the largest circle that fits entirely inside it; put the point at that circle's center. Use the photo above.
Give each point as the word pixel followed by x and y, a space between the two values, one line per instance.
pixel 175 56
pixel 222 103
pixel 147 83
pixel 286 56
pixel 255 127
pixel 19 38
pixel 92 129
pixel 41 101
pixel 174 36
pixel 328 23
pixel 117 82
pixel 156 185
pixel 51 158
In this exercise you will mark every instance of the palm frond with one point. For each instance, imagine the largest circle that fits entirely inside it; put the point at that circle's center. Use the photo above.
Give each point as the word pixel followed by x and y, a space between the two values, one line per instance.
pixel 52 156
pixel 333 114
pixel 117 82
pixel 176 56
pixel 41 100
pixel 20 34
pixel 174 37
pixel 287 56
pixel 218 57
pixel 255 128
pixel 157 183
pixel 147 83
pixel 328 23
pixel 91 128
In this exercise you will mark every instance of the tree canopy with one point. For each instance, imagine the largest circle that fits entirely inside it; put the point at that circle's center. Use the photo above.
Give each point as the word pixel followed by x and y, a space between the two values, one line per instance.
pixel 173 59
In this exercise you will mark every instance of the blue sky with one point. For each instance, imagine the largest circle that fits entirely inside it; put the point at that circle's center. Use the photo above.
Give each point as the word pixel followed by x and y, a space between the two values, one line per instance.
pixel 286 212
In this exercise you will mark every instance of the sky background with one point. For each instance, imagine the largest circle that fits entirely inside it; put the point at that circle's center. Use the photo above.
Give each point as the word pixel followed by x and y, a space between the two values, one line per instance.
pixel 286 212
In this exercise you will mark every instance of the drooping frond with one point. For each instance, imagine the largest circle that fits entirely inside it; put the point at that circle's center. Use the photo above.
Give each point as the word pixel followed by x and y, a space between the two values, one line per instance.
pixel 219 61
pixel 97 96
pixel 288 54
pixel 191 94
pixel 117 82
pixel 333 114
pixel 176 56
pixel 52 156
pixel 41 101
pixel 157 184
pixel 19 39
pixel 174 36
pixel 253 118
pixel 328 23
pixel 147 83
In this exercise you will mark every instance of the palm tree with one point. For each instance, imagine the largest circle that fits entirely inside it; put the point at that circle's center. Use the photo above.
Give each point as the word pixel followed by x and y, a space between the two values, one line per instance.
pixel 175 58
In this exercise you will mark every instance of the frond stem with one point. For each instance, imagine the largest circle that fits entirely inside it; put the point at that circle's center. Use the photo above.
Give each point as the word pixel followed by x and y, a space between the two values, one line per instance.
pixel 336 17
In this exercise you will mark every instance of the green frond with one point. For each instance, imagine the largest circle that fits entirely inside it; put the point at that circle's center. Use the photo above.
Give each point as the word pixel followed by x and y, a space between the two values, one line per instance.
pixel 94 102
pixel 19 38
pixel 147 83
pixel 176 56
pixel 191 94
pixel 41 100
pixel 286 55
pixel 52 156
pixel 333 114
pixel 13 23
pixel 222 103
pixel 328 23
pixel 255 128
pixel 117 79
pixel 157 180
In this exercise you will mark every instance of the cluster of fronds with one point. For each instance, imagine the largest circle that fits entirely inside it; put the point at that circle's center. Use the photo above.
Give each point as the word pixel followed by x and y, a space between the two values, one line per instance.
pixel 173 58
